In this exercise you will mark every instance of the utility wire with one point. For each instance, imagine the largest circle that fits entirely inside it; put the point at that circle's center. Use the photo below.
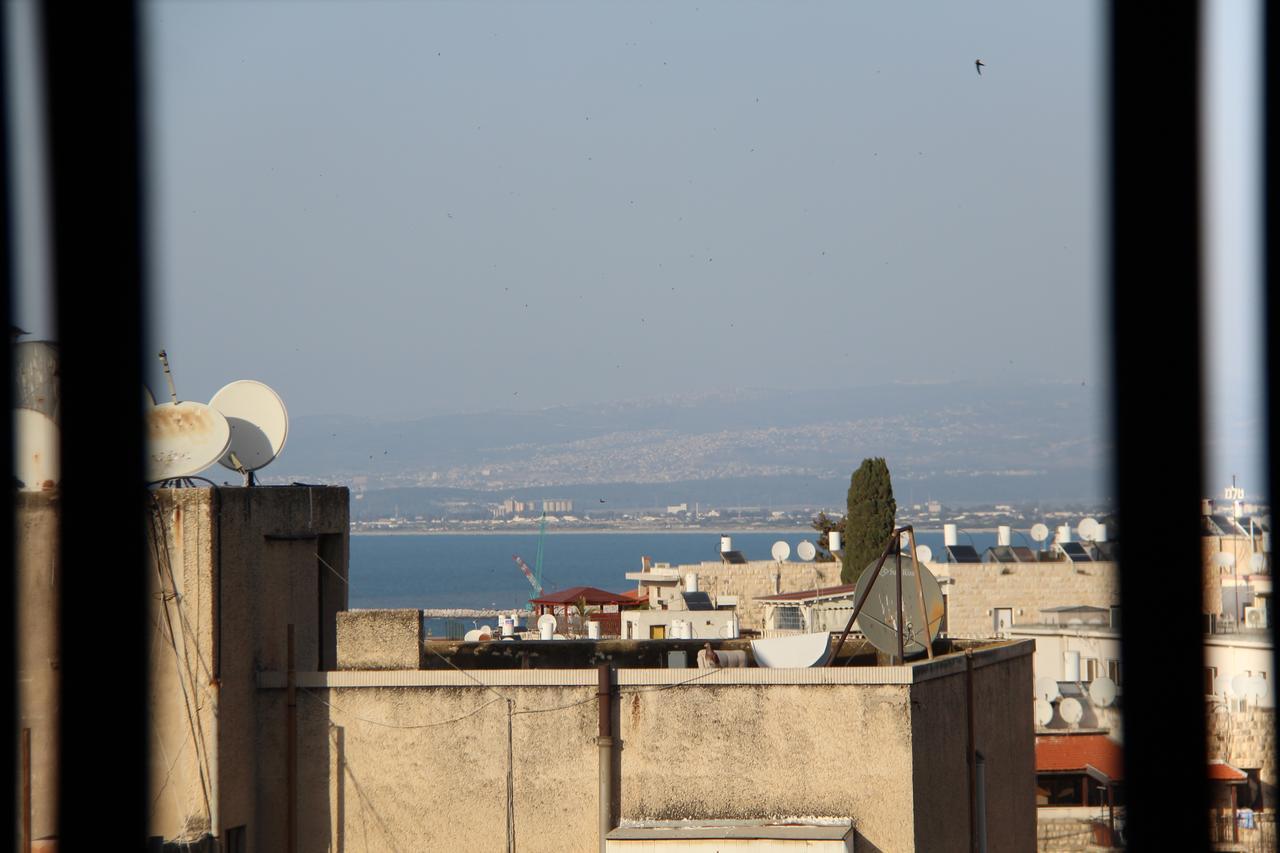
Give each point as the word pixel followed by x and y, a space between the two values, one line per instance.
pixel 385 725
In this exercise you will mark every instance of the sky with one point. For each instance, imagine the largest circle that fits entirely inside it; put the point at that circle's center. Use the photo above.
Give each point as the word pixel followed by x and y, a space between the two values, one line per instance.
pixel 402 209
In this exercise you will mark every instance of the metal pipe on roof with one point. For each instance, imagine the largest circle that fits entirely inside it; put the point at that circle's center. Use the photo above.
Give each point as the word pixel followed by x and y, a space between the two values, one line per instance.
pixel 604 742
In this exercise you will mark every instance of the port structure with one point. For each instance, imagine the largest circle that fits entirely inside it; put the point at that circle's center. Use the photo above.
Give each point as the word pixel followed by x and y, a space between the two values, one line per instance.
pixel 534 575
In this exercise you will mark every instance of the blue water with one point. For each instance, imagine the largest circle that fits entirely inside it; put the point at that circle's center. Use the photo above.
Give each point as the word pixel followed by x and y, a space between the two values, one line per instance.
pixel 476 570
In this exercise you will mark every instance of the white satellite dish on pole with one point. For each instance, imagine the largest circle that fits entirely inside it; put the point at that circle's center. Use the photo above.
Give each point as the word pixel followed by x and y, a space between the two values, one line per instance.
pixel 183 439
pixel 1044 713
pixel 1258 563
pixel 1047 689
pixel 781 550
pixel 924 553
pixel 1039 532
pixel 1240 685
pixel 1103 692
pixel 259 425
pixel 35 452
pixel 806 551
pixel 1088 529
pixel 1071 710
pixel 1224 560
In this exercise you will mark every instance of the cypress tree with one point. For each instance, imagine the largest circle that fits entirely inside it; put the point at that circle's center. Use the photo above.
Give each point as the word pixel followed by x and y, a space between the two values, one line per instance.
pixel 869 522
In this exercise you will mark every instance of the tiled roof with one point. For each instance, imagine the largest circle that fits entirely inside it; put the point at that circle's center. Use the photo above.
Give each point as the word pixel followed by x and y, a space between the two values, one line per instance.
pixel 1221 771
pixel 806 595
pixel 1067 753
pixel 590 593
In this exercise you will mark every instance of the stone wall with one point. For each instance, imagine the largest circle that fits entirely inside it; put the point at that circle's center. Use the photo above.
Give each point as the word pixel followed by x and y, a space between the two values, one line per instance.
pixel 749 581
pixel 978 588
pixel 1246 739
pixel 418 760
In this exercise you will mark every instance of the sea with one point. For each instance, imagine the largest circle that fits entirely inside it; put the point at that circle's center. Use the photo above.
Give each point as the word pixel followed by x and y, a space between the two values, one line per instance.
pixel 477 570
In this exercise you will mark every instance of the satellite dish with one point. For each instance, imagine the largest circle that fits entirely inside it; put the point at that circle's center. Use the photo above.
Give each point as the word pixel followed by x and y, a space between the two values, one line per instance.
pixel 924 553
pixel 1047 689
pixel 1221 684
pixel 546 619
pixel 1258 563
pixel 1044 713
pixel 183 439
pixel 1255 688
pixel 472 636
pixel 1103 692
pixel 879 616
pixel 1088 529
pixel 35 460
pixel 1039 532
pixel 1240 685
pixel 259 424
pixel 148 399
pixel 1071 710
pixel 802 650
pixel 1224 560
pixel 781 550
pixel 806 551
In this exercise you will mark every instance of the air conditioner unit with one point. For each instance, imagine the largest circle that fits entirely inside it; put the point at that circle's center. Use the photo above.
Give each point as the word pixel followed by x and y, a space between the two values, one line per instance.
pixel 1255 617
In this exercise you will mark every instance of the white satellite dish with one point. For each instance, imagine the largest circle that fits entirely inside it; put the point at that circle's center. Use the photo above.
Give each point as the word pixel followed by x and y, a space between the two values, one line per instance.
pixel 1224 560
pixel 1103 692
pixel 1258 563
pixel 1039 532
pixel 802 650
pixel 486 629
pixel 806 551
pixel 1044 713
pixel 1255 688
pixel 1047 689
pixel 35 460
pixel 1221 684
pixel 1071 710
pixel 148 399
pixel 546 619
pixel 259 424
pixel 472 636
pixel 781 550
pixel 924 553
pixel 1240 685
pixel 1088 529
pixel 183 439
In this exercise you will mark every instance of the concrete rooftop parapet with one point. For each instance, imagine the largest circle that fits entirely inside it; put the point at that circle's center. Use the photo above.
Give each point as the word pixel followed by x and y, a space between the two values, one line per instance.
pixel 379 639
pixel 914 673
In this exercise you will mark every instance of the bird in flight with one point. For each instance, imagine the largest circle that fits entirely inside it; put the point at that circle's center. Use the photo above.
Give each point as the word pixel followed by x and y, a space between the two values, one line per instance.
pixel 978 63
pixel 603 501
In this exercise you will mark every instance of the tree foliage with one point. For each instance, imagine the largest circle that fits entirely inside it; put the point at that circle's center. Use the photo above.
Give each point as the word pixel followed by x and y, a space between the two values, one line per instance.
pixel 869 521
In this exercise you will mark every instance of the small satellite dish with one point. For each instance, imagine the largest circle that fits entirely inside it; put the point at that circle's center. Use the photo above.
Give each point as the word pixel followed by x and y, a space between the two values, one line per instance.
pixel 1255 688
pixel 1047 689
pixel 1103 692
pixel 1044 713
pixel 1240 685
pixel 183 439
pixel 546 619
pixel 486 629
pixel 259 424
pixel 924 553
pixel 1039 532
pixel 1224 560
pixel 797 652
pixel 1071 710
pixel 35 460
pixel 806 551
pixel 472 636
pixel 781 550
pixel 879 616
pixel 1221 684
pixel 1088 529
pixel 1258 563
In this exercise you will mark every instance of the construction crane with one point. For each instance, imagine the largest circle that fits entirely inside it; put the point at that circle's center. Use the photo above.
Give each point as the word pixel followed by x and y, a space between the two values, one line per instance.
pixel 534 575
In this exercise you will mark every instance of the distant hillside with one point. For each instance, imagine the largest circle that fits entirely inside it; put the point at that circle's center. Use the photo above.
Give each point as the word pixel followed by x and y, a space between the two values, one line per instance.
pixel 955 442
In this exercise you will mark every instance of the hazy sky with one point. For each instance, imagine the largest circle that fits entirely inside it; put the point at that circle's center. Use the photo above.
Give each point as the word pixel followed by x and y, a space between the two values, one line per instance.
pixel 409 208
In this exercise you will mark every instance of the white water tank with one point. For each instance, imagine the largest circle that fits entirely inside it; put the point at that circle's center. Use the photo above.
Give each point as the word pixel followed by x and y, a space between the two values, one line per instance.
pixel 691 582
pixel 1004 535
pixel 726 544
pixel 1101 534
pixel 546 630
pixel 1064 533
pixel 833 541
pixel 1070 666
pixel 949 535
pixel 593 630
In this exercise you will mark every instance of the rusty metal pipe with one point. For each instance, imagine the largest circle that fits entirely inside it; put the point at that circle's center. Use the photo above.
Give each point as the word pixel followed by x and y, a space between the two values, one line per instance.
pixel 604 742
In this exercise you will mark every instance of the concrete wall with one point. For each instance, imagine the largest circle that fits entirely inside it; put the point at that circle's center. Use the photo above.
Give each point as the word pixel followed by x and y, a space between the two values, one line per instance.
pixel 231 569
pixel 38 581
pixel 1028 588
pixel 417 760
pixel 757 578
pixel 1246 739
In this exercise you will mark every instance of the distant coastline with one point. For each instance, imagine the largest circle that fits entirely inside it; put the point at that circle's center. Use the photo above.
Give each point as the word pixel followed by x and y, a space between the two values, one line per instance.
pixel 577 531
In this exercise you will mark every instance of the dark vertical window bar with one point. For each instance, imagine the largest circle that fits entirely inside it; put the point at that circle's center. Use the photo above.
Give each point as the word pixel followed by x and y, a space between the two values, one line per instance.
pixel 1270 298
pixel 91 56
pixel 8 645
pixel 1157 407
